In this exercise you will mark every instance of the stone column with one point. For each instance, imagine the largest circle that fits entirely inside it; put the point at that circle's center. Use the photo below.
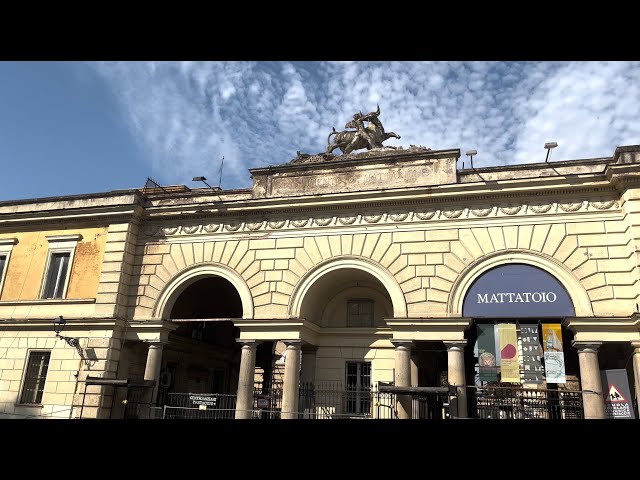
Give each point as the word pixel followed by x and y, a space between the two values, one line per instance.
pixel 456 373
pixel 291 389
pixel 153 367
pixel 403 375
pixel 244 402
pixel 636 368
pixel 590 379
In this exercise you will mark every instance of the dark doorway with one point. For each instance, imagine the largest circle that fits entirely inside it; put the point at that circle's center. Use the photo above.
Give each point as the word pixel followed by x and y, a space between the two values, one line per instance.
pixel 203 355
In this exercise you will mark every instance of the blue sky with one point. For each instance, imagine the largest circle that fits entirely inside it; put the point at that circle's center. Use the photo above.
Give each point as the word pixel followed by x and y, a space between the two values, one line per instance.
pixel 82 127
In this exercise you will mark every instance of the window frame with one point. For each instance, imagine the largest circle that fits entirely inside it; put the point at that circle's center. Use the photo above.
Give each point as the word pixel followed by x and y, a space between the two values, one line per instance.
pixel 359 301
pixel 358 392
pixel 59 244
pixel 6 245
pixel 23 383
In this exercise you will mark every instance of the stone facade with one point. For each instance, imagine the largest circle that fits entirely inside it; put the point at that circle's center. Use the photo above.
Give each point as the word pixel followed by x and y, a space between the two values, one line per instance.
pixel 404 229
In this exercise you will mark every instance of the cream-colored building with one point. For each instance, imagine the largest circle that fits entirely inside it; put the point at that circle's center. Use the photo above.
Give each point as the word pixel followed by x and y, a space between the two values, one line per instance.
pixel 357 268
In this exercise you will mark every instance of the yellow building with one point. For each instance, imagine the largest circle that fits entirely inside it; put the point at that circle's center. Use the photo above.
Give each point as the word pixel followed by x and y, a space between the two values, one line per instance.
pixel 352 287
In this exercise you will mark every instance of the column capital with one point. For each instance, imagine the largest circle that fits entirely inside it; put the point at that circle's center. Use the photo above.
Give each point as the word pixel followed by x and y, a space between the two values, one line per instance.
pixel 635 344
pixel 455 345
pixel 402 344
pixel 295 343
pixel 248 343
pixel 586 346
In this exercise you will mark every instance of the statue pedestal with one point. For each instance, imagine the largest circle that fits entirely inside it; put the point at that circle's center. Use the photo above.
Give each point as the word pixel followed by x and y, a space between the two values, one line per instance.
pixel 376 169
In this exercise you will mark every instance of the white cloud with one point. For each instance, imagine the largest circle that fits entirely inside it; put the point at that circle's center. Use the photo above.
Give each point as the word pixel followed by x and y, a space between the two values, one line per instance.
pixel 188 115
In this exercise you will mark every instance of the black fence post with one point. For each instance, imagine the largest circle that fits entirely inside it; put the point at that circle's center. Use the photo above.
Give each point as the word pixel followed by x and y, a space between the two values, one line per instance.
pixel 453 401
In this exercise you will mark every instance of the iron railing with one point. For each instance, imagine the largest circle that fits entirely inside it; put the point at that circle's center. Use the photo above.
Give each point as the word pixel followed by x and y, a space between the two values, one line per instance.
pixel 334 401
pixel 525 403
pixel 316 401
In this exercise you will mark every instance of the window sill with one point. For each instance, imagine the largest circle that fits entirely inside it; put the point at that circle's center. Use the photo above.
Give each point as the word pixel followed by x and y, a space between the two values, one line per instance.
pixel 35 405
pixel 47 301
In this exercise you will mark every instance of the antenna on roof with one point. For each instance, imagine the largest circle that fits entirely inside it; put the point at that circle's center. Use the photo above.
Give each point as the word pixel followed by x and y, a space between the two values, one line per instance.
pixel 153 184
pixel 221 165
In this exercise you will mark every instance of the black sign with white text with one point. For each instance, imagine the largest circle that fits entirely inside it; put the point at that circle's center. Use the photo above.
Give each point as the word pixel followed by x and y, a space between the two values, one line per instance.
pixel 517 291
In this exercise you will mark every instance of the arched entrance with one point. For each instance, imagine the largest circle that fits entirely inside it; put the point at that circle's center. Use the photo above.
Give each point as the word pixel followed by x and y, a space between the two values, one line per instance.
pixel 202 356
pixel 520 362
pixel 346 300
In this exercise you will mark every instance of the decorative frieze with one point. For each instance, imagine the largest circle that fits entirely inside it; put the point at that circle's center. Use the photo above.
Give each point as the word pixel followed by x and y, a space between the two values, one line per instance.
pixel 604 205
pixel 276 225
pixel 511 209
pixel 482 212
pixel 347 220
pixel 395 216
pixel 300 223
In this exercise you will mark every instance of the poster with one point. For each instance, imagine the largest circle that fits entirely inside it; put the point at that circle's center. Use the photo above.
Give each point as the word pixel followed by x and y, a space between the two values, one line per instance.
pixel 509 362
pixel 487 353
pixel 531 354
pixel 553 354
pixel 617 395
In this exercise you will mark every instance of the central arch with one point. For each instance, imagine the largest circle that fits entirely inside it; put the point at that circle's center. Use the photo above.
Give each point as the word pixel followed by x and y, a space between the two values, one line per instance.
pixel 349 262
pixel 577 293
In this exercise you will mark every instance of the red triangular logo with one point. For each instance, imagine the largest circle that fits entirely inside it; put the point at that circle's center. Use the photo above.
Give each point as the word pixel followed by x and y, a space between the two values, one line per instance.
pixel 614 395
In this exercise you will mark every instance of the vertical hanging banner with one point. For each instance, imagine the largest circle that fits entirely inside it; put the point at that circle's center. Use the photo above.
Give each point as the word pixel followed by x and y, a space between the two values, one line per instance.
pixel 553 354
pixel 487 353
pixel 617 395
pixel 509 362
pixel 531 354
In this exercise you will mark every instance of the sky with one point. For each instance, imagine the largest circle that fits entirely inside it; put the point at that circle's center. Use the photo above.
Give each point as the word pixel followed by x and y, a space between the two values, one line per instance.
pixel 84 127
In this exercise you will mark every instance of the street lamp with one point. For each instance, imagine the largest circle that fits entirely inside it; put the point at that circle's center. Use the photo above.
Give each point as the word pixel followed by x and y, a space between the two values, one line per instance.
pixel 203 180
pixel 549 146
pixel 58 325
pixel 470 154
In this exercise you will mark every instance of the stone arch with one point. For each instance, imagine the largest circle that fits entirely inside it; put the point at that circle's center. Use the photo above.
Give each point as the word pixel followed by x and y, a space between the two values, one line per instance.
pixel 576 291
pixel 351 262
pixel 190 275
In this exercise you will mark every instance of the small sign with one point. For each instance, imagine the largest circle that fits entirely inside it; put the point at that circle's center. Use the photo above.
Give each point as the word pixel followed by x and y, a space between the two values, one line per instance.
pixel 617 395
pixel 203 400
pixel 264 402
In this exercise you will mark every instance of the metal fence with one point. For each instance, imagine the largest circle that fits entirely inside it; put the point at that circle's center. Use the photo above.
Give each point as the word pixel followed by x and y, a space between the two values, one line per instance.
pixel 525 403
pixel 334 401
pixel 316 401
pixel 199 406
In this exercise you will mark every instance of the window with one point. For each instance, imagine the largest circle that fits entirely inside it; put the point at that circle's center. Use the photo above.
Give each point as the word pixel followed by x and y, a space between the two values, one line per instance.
pixel 360 312
pixel 56 277
pixel 3 261
pixel 358 388
pixel 35 377
pixel 6 245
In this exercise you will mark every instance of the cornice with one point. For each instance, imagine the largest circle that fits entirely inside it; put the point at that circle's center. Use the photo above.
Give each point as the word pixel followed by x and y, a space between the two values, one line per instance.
pixel 83 215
